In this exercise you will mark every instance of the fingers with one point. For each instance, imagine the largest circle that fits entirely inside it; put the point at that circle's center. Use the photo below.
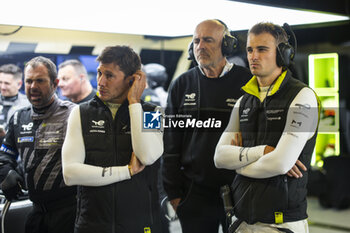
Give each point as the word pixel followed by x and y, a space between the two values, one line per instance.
pixel 237 139
pixel 301 165
pixel 295 172
pixel 174 203
pixel 268 149
pixel 135 164
pixel 137 87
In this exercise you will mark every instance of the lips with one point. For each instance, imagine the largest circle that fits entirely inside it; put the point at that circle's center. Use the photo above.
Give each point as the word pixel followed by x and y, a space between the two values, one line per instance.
pixel 35 96
pixel 254 65
pixel 102 92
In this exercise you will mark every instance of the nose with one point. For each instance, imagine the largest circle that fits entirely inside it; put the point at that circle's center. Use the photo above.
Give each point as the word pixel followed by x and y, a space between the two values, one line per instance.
pixel 60 83
pixel 200 44
pixel 33 84
pixel 254 55
pixel 101 80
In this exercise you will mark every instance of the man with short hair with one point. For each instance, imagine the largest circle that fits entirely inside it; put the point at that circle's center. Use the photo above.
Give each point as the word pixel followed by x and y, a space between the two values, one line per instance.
pixel 74 81
pixel 35 136
pixel 109 156
pixel 10 97
pixel 272 130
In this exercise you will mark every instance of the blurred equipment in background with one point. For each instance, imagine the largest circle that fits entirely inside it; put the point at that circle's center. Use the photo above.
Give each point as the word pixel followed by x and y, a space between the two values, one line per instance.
pixel 156 80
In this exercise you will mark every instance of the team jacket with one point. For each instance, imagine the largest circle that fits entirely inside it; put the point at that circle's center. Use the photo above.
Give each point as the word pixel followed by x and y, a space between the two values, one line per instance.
pixel 281 198
pixel 129 206
pixel 20 102
pixel 188 152
pixel 37 139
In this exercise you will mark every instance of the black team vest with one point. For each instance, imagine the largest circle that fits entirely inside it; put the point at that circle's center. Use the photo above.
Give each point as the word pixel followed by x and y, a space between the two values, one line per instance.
pixel 281 198
pixel 129 206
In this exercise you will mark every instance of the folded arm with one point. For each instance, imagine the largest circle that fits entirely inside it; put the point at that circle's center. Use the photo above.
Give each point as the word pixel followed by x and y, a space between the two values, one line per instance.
pixel 75 172
pixel 230 156
pixel 301 125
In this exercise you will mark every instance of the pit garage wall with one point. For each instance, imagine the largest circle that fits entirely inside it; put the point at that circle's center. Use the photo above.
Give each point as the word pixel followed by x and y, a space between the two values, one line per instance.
pixel 57 41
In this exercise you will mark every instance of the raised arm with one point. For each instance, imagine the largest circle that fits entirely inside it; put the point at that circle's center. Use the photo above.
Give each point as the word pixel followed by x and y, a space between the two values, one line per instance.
pixel 147 146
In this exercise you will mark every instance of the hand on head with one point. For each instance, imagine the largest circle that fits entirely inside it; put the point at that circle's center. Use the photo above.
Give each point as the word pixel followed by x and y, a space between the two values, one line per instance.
pixel 137 87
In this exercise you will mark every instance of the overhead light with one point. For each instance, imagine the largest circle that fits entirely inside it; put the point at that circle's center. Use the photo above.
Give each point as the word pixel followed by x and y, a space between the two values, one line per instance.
pixel 149 17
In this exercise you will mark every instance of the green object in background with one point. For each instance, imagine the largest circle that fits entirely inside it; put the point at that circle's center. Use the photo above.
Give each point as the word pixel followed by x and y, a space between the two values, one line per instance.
pixel 324 79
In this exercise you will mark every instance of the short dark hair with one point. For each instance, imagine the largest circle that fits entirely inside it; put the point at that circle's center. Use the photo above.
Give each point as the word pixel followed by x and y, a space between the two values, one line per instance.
pixel 123 56
pixel 12 69
pixel 77 65
pixel 275 30
pixel 50 66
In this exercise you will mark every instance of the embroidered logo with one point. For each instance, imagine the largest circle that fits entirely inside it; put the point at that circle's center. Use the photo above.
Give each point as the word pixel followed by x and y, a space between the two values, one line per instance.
pixel 28 127
pixel 190 97
pixel 246 111
pixel 98 124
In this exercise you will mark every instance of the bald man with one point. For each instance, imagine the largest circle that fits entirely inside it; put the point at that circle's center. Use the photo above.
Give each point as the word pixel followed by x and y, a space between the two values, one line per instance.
pixel 205 93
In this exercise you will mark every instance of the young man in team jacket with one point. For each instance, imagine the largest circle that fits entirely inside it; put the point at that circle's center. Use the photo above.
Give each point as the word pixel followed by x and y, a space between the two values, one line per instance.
pixel 109 156
pixel 273 128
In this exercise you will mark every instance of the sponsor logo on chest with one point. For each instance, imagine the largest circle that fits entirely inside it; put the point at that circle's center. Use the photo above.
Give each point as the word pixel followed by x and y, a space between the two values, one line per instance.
pixel 190 99
pixel 97 126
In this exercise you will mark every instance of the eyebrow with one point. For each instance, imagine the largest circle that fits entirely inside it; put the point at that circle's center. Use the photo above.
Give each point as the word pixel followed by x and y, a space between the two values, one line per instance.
pixel 259 47
pixel 204 38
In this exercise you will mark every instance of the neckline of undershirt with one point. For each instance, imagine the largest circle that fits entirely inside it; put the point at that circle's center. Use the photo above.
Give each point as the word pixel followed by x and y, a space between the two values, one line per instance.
pixel 113 108
pixel 263 92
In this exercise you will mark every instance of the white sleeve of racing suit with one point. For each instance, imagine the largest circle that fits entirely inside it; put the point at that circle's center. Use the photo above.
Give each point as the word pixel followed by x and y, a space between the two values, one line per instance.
pixel 232 157
pixel 301 125
pixel 147 145
pixel 75 172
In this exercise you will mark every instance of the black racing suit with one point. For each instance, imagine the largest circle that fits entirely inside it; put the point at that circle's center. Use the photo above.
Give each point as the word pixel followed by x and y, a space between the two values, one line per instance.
pixel 189 172
pixel 8 106
pixel 36 140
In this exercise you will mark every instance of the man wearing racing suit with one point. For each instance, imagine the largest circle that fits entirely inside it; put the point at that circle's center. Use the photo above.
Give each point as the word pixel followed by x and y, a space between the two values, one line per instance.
pixel 272 128
pixel 11 98
pixel 205 93
pixel 35 137
pixel 109 154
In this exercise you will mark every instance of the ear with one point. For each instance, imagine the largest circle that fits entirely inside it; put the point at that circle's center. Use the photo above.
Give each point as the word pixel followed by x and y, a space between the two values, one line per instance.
pixel 81 76
pixel 130 80
pixel 55 82
pixel 19 84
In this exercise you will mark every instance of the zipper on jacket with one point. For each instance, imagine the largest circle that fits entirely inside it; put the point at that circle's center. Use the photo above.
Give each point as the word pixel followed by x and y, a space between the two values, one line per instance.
pixel 114 188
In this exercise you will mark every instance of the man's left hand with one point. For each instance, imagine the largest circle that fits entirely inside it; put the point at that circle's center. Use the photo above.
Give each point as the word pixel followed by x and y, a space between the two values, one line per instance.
pixel 295 172
pixel 138 85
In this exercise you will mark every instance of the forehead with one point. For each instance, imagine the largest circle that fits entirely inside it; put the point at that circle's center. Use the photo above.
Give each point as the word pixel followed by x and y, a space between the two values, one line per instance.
pixel 39 71
pixel 110 67
pixel 7 77
pixel 208 29
pixel 262 39
pixel 66 70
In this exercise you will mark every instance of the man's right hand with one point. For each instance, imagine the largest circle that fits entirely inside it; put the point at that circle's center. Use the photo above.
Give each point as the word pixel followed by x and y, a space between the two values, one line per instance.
pixel 268 149
pixel 11 186
pixel 135 164
pixel 175 203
